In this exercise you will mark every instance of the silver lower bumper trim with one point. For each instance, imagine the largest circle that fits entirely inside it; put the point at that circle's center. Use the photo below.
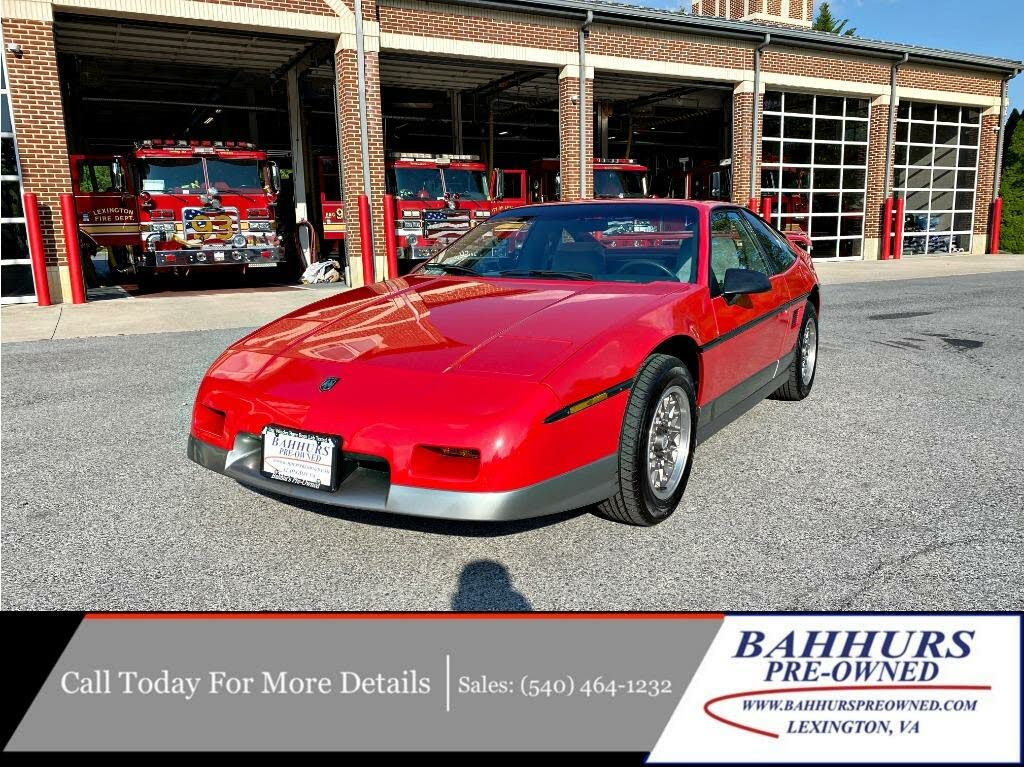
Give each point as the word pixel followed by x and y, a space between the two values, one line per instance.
pixel 371 490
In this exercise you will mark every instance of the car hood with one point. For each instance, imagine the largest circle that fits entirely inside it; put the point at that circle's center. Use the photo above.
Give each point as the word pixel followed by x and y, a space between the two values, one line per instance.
pixel 443 325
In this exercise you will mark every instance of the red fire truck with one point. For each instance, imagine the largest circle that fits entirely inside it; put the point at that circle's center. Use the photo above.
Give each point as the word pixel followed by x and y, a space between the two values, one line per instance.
pixel 437 199
pixel 180 205
pixel 612 178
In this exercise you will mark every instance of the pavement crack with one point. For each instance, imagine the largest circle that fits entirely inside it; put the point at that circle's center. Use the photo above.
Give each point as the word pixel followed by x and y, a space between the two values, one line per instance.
pixel 60 313
pixel 871 578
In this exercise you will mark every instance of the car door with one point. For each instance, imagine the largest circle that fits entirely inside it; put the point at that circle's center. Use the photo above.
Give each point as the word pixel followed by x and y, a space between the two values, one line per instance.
pixel 104 200
pixel 743 357
pixel 785 263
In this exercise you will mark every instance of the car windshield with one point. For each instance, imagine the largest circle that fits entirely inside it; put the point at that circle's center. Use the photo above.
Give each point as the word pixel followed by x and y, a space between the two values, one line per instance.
pixel 618 183
pixel 416 183
pixel 234 174
pixel 634 242
pixel 172 175
pixel 467 184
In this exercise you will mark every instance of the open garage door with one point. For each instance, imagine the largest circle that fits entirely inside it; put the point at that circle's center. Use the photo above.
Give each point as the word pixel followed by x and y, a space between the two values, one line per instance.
pixel 680 131
pixel 225 113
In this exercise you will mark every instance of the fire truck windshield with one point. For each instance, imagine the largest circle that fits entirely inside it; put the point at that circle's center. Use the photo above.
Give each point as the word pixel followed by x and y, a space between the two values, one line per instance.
pixel 467 184
pixel 172 175
pixel 617 183
pixel 239 175
pixel 416 183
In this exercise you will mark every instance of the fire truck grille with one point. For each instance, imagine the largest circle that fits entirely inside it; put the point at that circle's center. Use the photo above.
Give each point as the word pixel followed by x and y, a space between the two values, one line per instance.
pixel 210 225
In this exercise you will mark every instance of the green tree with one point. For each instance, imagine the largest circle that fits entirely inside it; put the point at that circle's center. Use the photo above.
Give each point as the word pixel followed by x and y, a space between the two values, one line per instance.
pixel 1007 133
pixel 826 22
pixel 1011 188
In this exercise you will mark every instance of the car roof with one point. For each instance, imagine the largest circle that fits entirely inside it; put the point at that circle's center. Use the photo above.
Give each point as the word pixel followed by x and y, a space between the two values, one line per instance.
pixel 547 206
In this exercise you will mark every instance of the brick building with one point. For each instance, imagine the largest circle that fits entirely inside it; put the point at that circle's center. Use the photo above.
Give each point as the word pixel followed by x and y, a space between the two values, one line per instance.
pixel 679 89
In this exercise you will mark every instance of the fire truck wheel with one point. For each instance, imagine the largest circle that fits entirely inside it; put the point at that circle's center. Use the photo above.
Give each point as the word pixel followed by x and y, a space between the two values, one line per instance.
pixel 149 281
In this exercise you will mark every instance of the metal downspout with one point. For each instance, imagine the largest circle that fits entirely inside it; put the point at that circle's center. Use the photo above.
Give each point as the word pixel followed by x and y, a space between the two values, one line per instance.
pixel 364 140
pixel 584 29
pixel 755 121
pixel 891 134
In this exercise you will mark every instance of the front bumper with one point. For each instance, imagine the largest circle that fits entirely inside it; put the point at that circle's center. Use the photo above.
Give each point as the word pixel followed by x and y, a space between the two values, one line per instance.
pixel 226 256
pixel 372 490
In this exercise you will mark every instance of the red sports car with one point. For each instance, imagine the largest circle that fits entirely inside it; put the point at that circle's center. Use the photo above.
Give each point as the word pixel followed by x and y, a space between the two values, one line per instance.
pixel 555 357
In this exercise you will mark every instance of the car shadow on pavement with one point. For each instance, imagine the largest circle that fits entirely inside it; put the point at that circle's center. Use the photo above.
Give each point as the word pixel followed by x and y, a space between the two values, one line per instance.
pixel 485 586
pixel 426 524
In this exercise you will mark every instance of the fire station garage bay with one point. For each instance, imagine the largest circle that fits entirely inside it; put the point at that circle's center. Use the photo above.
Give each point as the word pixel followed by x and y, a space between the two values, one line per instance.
pixel 247 139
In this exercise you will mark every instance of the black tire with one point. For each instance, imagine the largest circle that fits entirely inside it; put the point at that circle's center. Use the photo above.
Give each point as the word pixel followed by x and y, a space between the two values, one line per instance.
pixel 636 503
pixel 796 387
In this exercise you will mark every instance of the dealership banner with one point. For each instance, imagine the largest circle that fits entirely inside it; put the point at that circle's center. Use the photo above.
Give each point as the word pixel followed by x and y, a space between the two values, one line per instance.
pixel 700 688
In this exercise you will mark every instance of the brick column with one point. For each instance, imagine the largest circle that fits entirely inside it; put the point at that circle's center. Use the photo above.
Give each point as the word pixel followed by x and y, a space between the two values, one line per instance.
pixel 986 179
pixel 878 166
pixel 742 119
pixel 569 133
pixel 39 127
pixel 346 79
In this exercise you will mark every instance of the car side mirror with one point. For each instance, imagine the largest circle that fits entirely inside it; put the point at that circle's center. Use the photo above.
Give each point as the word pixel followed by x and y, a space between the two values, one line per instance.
pixel 742 282
pixel 275 178
pixel 117 175
pixel 499 184
pixel 716 185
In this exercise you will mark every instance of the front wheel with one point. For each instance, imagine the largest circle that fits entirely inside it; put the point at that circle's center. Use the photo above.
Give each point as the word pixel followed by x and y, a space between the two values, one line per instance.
pixel 805 361
pixel 656 444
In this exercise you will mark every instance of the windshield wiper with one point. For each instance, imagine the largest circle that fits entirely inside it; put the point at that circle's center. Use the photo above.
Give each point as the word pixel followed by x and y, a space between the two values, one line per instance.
pixel 547 273
pixel 451 268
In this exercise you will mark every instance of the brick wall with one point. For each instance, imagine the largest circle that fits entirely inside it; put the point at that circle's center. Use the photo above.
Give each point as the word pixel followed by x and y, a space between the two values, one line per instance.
pixel 317 7
pixel 39 124
pixel 351 154
pixel 431 20
pixel 569 138
pixel 986 173
pixel 848 68
pixel 878 132
pixel 742 116
pixel 655 46
pixel 947 80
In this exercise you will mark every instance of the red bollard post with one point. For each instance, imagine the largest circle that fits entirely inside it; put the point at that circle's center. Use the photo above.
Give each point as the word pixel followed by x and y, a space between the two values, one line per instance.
pixel 74 254
pixel 766 209
pixel 887 229
pixel 366 239
pixel 390 244
pixel 752 205
pixel 35 249
pixel 897 246
pixel 997 218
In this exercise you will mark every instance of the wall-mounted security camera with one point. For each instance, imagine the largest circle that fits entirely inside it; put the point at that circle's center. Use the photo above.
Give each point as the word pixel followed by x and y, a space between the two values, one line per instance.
pixel 574 98
pixel 15 49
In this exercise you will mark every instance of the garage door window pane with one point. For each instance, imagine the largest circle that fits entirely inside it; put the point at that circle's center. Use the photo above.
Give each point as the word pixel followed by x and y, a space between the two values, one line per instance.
pixel 13 241
pixel 828 130
pixel 11 201
pixel 10 159
pixel 802 103
pixel 856 130
pixel 16 280
pixel 940 217
pixel 772 126
pixel 824 151
pixel 772 101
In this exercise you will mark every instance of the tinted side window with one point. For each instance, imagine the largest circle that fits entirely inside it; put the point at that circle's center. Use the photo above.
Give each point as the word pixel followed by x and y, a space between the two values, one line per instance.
pixel 732 247
pixel 780 257
pixel 95 177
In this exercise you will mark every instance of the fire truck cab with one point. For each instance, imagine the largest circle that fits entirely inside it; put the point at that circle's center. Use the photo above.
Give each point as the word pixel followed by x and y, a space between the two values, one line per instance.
pixel 437 198
pixel 179 205
pixel 613 178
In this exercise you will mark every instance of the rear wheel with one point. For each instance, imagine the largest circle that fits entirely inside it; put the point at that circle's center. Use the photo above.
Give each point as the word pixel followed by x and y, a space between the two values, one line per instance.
pixel 805 361
pixel 656 444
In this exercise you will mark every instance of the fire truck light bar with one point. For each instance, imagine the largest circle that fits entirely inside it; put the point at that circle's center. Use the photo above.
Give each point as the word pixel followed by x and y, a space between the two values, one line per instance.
pixel 615 160
pixel 167 142
pixel 433 157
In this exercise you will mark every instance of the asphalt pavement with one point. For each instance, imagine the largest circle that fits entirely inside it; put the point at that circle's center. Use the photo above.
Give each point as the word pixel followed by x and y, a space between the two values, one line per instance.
pixel 897 485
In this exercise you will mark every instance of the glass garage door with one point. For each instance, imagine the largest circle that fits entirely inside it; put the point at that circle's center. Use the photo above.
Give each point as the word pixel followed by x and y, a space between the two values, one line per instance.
pixel 937 171
pixel 814 166
pixel 15 268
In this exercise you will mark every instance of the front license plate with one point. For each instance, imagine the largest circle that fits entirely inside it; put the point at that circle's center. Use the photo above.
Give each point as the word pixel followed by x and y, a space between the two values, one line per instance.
pixel 300 458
